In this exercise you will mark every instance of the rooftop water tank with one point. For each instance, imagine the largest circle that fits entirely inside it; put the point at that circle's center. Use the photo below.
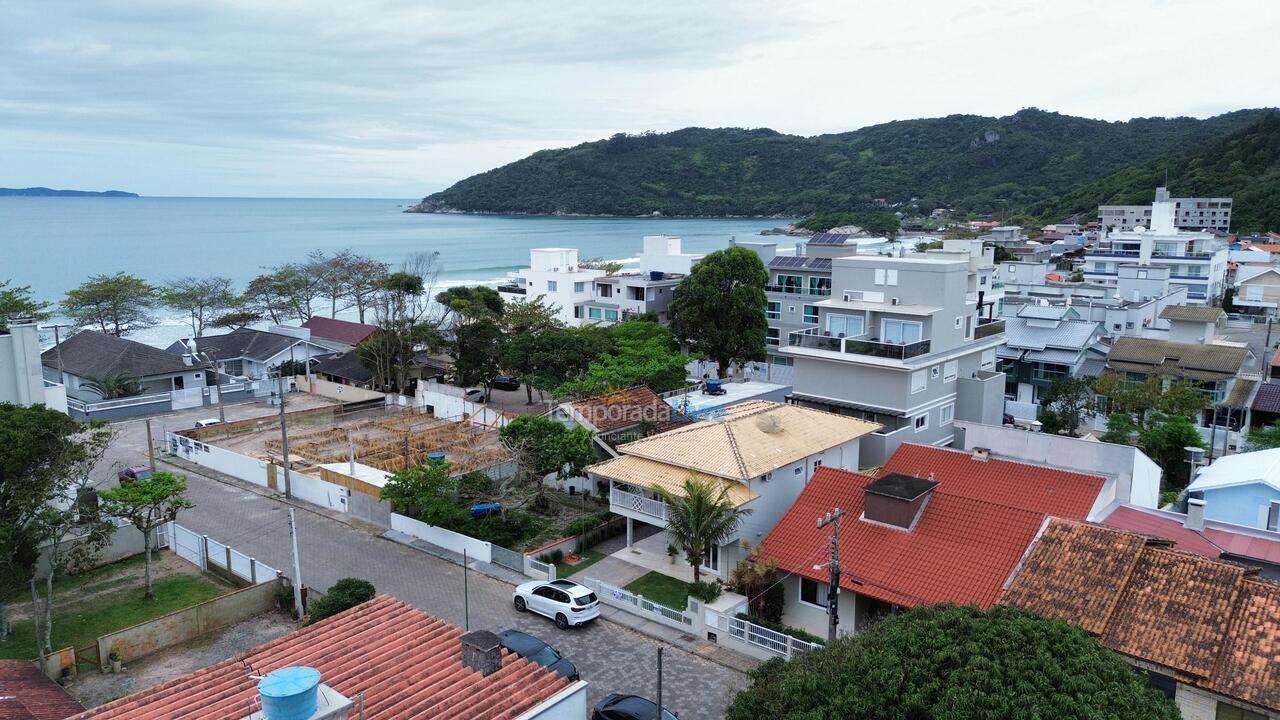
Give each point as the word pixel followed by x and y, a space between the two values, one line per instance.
pixel 436 455
pixel 289 693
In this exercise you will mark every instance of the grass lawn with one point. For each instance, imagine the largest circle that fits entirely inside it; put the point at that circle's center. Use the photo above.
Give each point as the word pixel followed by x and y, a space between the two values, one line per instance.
pixel 80 624
pixel 589 558
pixel 662 589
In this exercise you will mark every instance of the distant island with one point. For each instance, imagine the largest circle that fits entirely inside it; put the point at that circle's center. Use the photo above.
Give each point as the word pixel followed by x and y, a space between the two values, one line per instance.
pixel 50 192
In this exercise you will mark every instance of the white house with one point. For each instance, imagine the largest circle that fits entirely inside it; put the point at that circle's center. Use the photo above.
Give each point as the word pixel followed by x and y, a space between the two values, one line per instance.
pixel 555 274
pixel 253 353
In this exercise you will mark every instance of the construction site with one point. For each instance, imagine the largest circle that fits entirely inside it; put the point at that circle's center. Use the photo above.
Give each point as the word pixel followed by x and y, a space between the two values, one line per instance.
pixel 391 440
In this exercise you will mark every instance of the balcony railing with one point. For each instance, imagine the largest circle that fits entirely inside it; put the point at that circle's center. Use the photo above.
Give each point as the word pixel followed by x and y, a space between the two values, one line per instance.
pixel 819 340
pixel 793 290
pixel 623 500
pixel 512 289
pixel 987 328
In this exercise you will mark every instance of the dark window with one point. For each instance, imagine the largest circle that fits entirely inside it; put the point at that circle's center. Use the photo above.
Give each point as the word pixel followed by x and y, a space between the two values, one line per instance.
pixel 811 592
pixel 545 592
pixel 1165 684
pixel 1231 712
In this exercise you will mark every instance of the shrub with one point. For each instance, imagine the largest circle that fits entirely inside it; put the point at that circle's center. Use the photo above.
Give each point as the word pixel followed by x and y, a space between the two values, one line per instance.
pixel 583 525
pixel 707 592
pixel 343 595
pixel 544 557
pixel 511 530
pixel 557 556
pixel 796 633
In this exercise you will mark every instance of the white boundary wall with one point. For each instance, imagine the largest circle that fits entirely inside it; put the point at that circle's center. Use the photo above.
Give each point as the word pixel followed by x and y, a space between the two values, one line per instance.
pixel 447 539
pixel 447 401
pixel 213 457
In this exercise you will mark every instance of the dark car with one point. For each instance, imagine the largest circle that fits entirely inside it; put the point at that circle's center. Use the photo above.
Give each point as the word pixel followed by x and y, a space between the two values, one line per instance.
pixel 506 382
pixel 627 707
pixel 528 646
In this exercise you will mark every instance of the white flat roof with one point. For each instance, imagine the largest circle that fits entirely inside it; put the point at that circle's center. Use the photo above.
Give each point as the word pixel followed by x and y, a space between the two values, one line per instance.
pixel 364 473
pixel 1245 468
pixel 734 393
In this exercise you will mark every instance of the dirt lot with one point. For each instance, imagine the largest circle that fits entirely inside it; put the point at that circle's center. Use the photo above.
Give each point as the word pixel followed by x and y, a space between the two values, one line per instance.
pixel 94 688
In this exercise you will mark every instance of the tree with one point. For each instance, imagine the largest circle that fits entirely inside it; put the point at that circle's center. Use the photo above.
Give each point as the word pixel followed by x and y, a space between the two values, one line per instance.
pixel 1165 441
pixel 425 492
pixel 477 350
pixel 117 304
pixel 285 292
pixel 526 324
pixel 364 277
pixel 541 446
pixel 17 302
pixel 718 308
pixel 954 663
pixel 1229 300
pixel 236 319
pixel 342 595
pixel 598 263
pixel 409 320
pixel 329 275
pixel 290 368
pixel 642 353
pixel 1262 438
pixel 562 354
pixel 148 504
pixel 202 299
pixel 700 518
pixel 1120 428
pixel 757 578
pixel 110 387
pixel 1152 394
pixel 45 463
pixel 1064 403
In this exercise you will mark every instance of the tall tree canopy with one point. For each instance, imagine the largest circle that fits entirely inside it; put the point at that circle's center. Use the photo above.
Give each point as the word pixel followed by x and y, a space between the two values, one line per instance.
pixel 641 352
pixel 203 299
pixel 18 302
pixel 718 309
pixel 946 662
pixel 116 304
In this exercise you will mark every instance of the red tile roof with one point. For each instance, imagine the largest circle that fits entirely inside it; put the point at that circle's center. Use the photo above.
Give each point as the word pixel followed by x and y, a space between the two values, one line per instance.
pixel 1211 542
pixel 1007 482
pixel 406 662
pixel 1209 623
pixel 343 331
pixel 626 408
pixel 960 550
pixel 26 694
pixel 1268 398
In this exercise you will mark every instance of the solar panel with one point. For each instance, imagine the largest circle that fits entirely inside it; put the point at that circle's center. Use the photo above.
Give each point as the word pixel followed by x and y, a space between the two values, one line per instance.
pixel 828 238
pixel 787 261
pixel 820 263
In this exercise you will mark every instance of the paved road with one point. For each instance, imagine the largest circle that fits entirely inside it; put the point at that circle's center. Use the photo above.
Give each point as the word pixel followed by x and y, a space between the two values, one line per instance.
pixel 611 657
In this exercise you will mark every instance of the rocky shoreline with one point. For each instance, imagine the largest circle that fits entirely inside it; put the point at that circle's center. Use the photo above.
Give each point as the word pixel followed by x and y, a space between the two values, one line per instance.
pixel 434 207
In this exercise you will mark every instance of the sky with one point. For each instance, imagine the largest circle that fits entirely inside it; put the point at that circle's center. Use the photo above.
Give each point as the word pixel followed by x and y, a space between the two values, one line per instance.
pixel 400 98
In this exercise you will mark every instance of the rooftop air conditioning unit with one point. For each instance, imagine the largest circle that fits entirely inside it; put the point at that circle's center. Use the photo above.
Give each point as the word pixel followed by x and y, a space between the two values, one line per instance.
pixel 894 301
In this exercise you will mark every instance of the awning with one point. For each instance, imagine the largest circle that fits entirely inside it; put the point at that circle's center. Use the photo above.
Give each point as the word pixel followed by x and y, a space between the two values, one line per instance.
pixel 652 474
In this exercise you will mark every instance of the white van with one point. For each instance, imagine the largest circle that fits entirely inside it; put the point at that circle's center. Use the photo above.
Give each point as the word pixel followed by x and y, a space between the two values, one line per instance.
pixel 207 422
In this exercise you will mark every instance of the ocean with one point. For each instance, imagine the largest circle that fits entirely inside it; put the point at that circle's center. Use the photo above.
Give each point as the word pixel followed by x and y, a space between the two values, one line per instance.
pixel 54 244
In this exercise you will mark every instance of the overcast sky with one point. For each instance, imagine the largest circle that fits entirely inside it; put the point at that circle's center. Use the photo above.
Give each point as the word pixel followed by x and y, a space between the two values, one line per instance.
pixel 398 98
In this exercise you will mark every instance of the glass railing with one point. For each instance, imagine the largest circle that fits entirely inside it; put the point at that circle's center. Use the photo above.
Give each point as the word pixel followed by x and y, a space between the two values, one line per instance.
pixel 819 340
pixel 512 289
pixel 793 290
pixel 987 328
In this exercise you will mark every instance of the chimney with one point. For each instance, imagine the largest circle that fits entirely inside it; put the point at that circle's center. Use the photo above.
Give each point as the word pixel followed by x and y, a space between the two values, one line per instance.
pixel 482 652
pixel 981 454
pixel 1195 514
pixel 897 499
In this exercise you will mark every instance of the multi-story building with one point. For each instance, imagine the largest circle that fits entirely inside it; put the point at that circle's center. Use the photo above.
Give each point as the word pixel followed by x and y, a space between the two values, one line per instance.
pixel 621 295
pixel 1132 307
pixel 1196 260
pixel 903 342
pixel 553 273
pixel 1212 214
pixel 1045 343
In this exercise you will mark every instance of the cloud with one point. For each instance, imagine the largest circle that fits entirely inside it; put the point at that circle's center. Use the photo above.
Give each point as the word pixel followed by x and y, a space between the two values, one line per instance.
pixel 400 97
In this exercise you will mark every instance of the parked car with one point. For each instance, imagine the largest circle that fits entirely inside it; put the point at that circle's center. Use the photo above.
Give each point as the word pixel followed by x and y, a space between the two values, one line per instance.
pixel 475 395
pixel 207 422
pixel 528 646
pixel 485 509
pixel 628 707
pixel 506 382
pixel 564 601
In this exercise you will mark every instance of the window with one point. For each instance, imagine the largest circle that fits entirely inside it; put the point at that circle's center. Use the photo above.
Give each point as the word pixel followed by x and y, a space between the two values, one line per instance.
pixel 921 422
pixel 891 277
pixel 1231 712
pixel 988 359
pixel 234 367
pixel 782 361
pixel 551 286
pixel 1142 274
pixel 798 469
pixel 950 369
pixel 579 287
pixel 819 285
pixel 611 315
pixel 982 280
pixel 846 325
pixel 712 560
pixel 594 313
pixel 947 414
pixel 879 276
pixel 813 593
pixel 1128 326
pixel 772 310
pixel 811 314
pixel 1273 516
pixel 901 332
pixel 773 336
pixel 790 283
pixel 817 464
pixel 918 381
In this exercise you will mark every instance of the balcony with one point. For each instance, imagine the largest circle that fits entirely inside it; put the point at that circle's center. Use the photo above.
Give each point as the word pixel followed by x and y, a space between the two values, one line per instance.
pixel 792 290
pixel 987 327
pixel 627 503
pixel 819 340
pixel 512 289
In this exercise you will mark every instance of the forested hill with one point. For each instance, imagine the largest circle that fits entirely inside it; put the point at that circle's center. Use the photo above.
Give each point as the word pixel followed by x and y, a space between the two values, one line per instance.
pixel 49 192
pixel 1243 165
pixel 964 161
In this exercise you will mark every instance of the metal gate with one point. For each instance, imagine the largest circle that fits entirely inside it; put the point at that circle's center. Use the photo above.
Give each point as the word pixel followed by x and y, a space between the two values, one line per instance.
pixel 507 558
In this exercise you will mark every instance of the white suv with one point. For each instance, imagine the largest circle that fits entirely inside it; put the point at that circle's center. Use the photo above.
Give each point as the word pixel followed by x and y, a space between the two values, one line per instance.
pixel 564 601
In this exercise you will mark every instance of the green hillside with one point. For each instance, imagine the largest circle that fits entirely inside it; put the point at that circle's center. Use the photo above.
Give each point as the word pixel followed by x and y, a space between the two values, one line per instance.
pixel 1243 165
pixel 965 161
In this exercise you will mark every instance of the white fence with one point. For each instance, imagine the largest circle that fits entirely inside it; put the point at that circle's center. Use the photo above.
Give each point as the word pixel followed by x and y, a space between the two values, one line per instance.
pixel 639 605
pixel 205 552
pixel 447 539
pixel 535 568
pixel 637 503
pixel 448 402
pixel 779 644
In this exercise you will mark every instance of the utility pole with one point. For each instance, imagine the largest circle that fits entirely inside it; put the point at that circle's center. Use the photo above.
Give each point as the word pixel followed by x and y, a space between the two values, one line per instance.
pixel 217 382
pixel 658 713
pixel 297 566
pixel 151 448
pixel 833 589
pixel 284 441
pixel 57 345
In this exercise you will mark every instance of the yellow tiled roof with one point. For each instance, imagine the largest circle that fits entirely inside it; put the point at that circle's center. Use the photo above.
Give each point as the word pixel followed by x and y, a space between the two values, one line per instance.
pixel 750 440
pixel 653 474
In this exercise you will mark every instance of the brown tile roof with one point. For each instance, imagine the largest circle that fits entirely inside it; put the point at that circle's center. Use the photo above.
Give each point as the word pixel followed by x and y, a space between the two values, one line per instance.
pixel 1189 360
pixel 1210 623
pixel 26 694
pixel 752 439
pixel 1192 313
pixel 653 474
pixel 405 662
pixel 622 409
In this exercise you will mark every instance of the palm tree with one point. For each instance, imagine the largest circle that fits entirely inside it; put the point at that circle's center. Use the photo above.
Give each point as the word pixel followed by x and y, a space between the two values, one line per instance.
pixel 701 518
pixel 110 387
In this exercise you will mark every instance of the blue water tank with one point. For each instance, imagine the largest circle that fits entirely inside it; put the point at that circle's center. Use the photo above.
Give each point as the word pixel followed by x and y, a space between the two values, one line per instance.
pixel 433 456
pixel 289 693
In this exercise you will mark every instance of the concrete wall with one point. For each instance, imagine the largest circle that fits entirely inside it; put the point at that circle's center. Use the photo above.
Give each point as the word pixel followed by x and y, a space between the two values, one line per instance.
pixel 335 391
pixel 446 401
pixel 316 491
pixel 568 704
pixel 21 375
pixel 125 542
pixel 239 466
pixel 812 618
pixel 190 622
pixel 1241 505
pixel 981 398
pixel 447 539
